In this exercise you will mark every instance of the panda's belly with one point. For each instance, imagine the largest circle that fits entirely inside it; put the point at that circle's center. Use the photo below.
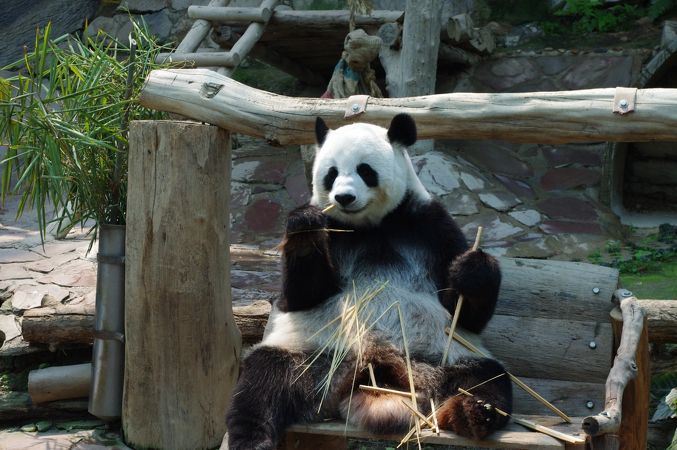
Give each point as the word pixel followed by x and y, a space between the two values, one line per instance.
pixel 404 288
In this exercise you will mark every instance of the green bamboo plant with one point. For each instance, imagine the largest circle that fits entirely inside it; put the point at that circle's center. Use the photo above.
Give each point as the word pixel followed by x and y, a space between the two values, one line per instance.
pixel 63 120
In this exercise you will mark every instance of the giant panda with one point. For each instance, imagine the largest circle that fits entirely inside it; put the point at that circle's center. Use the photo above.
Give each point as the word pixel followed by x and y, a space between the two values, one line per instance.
pixel 399 238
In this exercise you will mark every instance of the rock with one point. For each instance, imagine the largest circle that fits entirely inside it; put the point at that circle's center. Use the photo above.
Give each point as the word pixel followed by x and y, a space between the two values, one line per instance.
pixel 263 216
pixel 30 428
pixel 19 20
pixel 43 425
pixel 460 204
pixel 569 208
pixel 13 272
pixel 142 6
pixel 495 158
pixel 160 24
pixel 472 182
pixel 494 228
pixel 517 187
pixel 243 170
pixel 561 155
pixel 500 201
pixel 566 227
pixel 569 177
pixel 437 173
pixel 528 217
pixel 532 248
pixel 297 188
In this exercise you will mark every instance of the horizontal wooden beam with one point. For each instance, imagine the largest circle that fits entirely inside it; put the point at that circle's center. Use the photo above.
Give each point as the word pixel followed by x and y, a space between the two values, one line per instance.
pixel 201 59
pixel 334 17
pixel 537 117
pixel 229 14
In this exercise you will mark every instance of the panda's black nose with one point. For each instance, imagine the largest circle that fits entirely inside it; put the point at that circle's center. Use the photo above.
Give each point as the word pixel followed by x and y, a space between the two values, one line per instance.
pixel 344 199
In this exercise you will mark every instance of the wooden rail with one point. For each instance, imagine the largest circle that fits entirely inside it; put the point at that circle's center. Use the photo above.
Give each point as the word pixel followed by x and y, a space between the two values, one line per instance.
pixel 537 117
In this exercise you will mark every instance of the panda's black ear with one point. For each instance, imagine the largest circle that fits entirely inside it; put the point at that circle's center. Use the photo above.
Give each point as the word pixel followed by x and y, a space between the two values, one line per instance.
pixel 402 130
pixel 321 130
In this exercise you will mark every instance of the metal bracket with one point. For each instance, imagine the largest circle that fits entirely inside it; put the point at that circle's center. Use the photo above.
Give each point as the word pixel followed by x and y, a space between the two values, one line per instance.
pixel 108 259
pixel 109 335
pixel 357 104
pixel 624 100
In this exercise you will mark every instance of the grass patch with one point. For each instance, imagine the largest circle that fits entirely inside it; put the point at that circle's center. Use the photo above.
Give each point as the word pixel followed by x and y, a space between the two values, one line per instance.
pixel 647 264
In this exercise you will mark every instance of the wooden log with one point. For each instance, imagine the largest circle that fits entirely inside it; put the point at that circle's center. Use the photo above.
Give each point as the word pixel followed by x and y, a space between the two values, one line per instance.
pixel 456 56
pixel 183 347
pixel 253 33
pixel 201 59
pixel 59 383
pixel 198 31
pixel 539 117
pixel 330 18
pixel 229 14
pixel 661 318
pixel 18 406
pixel 626 367
pixel 412 71
pixel 63 324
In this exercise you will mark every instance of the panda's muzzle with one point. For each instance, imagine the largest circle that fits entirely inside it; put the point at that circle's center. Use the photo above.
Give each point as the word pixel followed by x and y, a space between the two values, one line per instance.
pixel 344 199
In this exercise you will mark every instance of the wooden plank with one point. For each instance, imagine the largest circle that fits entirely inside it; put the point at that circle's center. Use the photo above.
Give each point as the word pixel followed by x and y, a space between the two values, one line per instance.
pixel 227 59
pixel 539 117
pixel 661 319
pixel 555 349
pixel 229 14
pixel 556 289
pixel 512 436
pixel 322 19
pixel 182 342
pixel 198 31
pixel 569 396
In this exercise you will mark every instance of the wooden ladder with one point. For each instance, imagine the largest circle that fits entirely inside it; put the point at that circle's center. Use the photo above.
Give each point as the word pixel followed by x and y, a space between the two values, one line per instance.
pixel 218 11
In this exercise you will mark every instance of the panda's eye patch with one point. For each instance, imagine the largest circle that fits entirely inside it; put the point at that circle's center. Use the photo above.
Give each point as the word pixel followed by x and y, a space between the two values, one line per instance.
pixel 368 174
pixel 329 178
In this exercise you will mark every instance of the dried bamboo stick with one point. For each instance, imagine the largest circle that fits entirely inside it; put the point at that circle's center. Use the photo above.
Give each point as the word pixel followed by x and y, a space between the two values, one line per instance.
pixel 409 373
pixel 433 412
pixel 549 431
pixel 381 390
pixel 459 304
pixel 371 375
pixel 328 208
pixel 418 414
pixel 467 344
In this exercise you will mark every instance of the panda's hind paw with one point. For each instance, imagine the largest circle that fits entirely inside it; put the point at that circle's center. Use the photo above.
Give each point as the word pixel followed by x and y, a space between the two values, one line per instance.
pixel 469 417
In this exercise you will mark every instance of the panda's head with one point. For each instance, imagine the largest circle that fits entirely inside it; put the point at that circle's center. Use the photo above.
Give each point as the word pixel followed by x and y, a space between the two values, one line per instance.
pixel 364 170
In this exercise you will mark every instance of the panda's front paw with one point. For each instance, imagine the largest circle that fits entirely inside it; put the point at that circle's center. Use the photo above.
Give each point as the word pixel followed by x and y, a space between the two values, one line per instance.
pixel 475 274
pixel 469 417
pixel 305 219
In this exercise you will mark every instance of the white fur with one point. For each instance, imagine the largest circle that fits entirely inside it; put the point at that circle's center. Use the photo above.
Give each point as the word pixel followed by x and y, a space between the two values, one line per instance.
pixel 347 147
pixel 408 285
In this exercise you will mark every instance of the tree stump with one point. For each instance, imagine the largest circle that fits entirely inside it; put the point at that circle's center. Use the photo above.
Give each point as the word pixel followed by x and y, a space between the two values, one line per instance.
pixel 182 345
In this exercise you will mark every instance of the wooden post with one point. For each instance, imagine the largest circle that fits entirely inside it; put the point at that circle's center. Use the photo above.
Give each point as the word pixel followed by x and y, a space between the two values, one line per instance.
pixel 183 347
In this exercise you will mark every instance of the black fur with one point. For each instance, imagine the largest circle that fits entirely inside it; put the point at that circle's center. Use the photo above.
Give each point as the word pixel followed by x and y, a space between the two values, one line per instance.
pixel 271 394
pixel 368 175
pixel 328 180
pixel 309 274
pixel 321 130
pixel 402 130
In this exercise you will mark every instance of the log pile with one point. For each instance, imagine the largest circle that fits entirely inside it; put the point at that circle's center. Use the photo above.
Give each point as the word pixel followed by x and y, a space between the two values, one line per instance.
pixel 255 282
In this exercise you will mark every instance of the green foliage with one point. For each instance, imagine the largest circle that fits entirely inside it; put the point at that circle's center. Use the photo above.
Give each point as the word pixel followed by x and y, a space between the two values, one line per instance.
pixel 63 119
pixel 659 8
pixel 588 16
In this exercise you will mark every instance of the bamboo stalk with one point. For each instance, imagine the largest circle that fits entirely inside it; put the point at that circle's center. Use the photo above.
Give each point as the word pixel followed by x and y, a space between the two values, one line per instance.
pixel 459 304
pixel 467 344
pixel 418 414
pixel 328 208
pixel 381 390
pixel 548 431
pixel 433 412
pixel 409 372
pixel 371 375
